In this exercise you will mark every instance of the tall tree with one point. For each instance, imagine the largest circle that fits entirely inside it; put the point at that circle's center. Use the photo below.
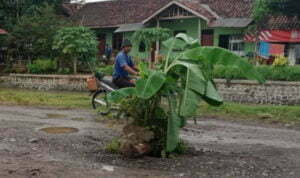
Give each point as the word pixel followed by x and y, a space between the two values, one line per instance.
pixel 32 36
pixel 285 7
pixel 264 8
pixel 12 10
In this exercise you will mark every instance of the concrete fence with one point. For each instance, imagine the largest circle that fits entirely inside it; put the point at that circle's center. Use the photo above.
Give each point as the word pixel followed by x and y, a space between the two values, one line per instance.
pixel 46 82
pixel 241 91
pixel 272 92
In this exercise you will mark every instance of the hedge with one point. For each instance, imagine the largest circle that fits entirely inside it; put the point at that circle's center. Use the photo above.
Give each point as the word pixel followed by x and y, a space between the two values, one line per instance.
pixel 287 73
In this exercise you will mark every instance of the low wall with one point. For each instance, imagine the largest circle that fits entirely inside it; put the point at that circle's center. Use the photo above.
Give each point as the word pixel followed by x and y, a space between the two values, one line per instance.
pixel 272 92
pixel 241 91
pixel 46 82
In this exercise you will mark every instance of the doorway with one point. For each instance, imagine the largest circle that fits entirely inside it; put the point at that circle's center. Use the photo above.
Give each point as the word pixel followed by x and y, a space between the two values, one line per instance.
pixel 117 41
pixel 207 38
pixel 224 41
pixel 101 43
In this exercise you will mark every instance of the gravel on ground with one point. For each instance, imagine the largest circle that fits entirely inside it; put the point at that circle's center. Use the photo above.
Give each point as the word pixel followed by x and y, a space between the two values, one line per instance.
pixel 218 148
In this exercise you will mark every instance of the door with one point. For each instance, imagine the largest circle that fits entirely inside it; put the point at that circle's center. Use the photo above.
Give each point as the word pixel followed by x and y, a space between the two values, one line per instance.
pixel 117 41
pixel 224 41
pixel 101 43
pixel 207 38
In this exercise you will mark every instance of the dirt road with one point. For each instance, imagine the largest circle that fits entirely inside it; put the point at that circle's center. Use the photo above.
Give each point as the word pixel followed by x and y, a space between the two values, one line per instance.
pixel 221 149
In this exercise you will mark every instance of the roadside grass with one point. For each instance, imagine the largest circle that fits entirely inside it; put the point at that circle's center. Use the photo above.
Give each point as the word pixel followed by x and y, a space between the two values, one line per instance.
pixel 41 98
pixel 232 111
pixel 265 113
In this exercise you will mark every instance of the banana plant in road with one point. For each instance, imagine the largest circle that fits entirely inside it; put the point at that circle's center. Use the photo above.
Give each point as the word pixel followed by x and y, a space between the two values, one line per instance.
pixel 171 94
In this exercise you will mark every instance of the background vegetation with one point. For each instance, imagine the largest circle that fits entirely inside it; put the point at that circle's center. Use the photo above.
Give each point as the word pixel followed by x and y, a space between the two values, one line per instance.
pixel 285 73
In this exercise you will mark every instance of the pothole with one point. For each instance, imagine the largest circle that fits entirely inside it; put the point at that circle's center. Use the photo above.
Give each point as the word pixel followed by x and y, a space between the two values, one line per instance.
pixel 59 130
pixel 55 116
pixel 78 119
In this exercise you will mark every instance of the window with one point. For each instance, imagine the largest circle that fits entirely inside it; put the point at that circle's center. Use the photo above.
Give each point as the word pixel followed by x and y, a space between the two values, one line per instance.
pixel 236 44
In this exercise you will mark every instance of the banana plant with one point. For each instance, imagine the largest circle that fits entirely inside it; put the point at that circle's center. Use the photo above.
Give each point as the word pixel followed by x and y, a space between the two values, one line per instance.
pixel 183 82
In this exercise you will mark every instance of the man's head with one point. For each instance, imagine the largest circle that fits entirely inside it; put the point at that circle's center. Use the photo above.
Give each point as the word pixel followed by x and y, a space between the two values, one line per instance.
pixel 126 46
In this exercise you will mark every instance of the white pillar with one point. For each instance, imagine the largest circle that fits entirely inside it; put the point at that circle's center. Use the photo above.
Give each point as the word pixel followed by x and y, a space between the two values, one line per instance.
pixel 157 42
pixel 199 30
pixel 292 55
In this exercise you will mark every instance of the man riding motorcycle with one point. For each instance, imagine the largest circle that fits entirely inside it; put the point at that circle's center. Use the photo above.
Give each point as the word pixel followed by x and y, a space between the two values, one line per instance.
pixel 124 66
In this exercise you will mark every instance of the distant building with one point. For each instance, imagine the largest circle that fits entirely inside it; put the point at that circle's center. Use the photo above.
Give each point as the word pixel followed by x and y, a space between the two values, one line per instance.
pixel 221 23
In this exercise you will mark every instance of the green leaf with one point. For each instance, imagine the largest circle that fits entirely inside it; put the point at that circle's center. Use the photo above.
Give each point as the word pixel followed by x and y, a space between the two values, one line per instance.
pixel 188 40
pixel 144 70
pixel 119 95
pixel 189 103
pixel 211 95
pixel 175 43
pixel 174 123
pixel 212 56
pixel 146 88
pixel 194 87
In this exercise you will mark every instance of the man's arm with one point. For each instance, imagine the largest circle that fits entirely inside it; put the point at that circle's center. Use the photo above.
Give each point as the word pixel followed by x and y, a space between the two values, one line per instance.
pixel 135 68
pixel 130 70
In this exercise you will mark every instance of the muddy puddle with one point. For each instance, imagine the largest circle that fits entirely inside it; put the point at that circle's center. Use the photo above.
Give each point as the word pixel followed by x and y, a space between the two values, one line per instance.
pixel 59 130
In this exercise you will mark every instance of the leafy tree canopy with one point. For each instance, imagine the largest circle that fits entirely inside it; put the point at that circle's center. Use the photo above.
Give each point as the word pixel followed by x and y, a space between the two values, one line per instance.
pixel 264 8
pixel 147 37
pixel 285 7
pixel 32 36
pixel 76 43
pixel 12 10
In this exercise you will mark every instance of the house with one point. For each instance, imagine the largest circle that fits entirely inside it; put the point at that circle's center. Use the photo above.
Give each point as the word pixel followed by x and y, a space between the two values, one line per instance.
pixel 280 35
pixel 221 23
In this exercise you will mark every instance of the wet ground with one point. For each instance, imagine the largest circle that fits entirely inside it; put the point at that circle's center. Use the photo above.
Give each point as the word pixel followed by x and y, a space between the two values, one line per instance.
pixel 220 148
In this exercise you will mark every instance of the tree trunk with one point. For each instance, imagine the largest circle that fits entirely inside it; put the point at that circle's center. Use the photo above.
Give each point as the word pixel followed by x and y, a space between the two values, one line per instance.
pixel 75 66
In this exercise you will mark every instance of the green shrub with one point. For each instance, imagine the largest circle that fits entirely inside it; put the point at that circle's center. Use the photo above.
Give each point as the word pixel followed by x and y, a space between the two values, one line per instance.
pixel 282 73
pixel 106 70
pixel 76 44
pixel 64 71
pixel 42 66
pixel 113 146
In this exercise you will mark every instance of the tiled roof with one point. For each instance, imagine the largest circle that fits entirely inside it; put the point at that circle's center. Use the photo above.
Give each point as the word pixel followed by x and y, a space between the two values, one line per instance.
pixel 114 13
pixel 283 23
pixel 70 9
pixel 117 12
pixel 231 22
pixel 225 8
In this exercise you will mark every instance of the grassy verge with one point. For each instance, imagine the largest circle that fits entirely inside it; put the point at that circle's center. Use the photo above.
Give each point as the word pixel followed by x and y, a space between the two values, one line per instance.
pixel 40 98
pixel 266 113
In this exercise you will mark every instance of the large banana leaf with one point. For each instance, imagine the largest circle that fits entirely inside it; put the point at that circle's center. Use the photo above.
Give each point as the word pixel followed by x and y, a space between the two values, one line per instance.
pixel 118 95
pixel 181 42
pixel 189 103
pixel 192 43
pixel 174 123
pixel 148 87
pixel 212 56
pixel 175 43
pixel 196 86
pixel 211 95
